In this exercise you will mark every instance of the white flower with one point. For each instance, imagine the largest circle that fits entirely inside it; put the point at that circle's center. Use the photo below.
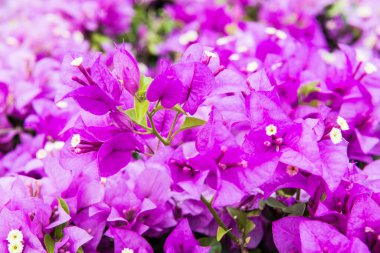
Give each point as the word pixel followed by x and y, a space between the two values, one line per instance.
pixel 15 235
pixel 336 135
pixel 41 154
pixel 75 140
pixel 15 247
pixel 369 68
pixel 342 123
pixel 188 37
pixel 271 130
pixel 77 61
pixel 252 66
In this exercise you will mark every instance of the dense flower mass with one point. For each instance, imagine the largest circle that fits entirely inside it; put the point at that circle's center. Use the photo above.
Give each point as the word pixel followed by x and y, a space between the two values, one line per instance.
pixel 189 126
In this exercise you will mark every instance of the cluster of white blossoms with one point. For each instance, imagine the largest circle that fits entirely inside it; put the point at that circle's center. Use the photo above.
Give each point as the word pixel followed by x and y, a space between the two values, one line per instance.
pixel 15 241
pixel 336 133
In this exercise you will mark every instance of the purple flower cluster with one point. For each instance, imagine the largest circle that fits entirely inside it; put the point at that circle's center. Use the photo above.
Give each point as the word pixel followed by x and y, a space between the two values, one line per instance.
pixel 256 129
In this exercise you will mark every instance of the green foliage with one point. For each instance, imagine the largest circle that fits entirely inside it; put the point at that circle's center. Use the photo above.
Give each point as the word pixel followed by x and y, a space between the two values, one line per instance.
pixel 242 220
pixel 216 247
pixel 49 243
pixel 221 232
pixel 191 122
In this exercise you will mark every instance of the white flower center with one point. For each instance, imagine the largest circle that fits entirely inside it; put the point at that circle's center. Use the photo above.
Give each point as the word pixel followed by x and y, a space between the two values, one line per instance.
pixel 336 135
pixel 75 140
pixel 127 250
pixel 77 61
pixel 271 130
pixel 342 123
pixel 15 235
pixel 15 247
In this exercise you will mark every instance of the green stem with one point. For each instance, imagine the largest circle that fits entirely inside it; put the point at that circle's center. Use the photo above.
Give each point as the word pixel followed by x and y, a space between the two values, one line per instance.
pixel 219 221
pixel 155 132
pixel 169 138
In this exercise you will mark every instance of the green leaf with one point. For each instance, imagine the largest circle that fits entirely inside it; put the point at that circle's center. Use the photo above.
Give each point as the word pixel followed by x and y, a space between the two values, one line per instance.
pixel 272 202
pixel 296 209
pixel 286 192
pixel 49 243
pixel 261 204
pixel 179 109
pixel 141 107
pixel 221 232
pixel 335 9
pixel 64 205
pixel 323 197
pixel 191 122
pixel 245 225
pixel 308 88
pixel 131 114
pixel 248 227
pixel 144 83
pixel 216 247
pixel 254 213
pixel 58 231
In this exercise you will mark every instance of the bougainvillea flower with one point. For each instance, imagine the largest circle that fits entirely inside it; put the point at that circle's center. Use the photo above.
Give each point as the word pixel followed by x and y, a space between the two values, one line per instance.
pixel 166 88
pixel 129 241
pixel 126 69
pixel 181 239
pixel 74 238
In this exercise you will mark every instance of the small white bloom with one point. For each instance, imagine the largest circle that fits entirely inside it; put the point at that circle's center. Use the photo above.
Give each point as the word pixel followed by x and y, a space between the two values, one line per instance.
pixel 75 140
pixel 188 37
pixel 58 145
pixel 271 130
pixel 223 41
pixel 210 54
pixel 77 61
pixel 242 49
pixel 336 135
pixel 364 11
pixel 49 146
pixel 15 235
pixel 369 68
pixel 270 30
pixel 234 57
pixel 41 154
pixel 342 123
pixel 252 66
pixel 78 36
pixel 15 247
pixel 328 57
pixel 62 104
pixel 281 34
pixel 127 250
